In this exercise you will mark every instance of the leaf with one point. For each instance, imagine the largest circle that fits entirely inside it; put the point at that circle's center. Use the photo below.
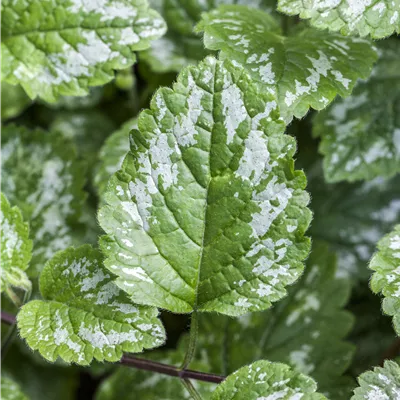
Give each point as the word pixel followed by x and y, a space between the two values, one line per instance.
pixel 88 129
pixel 10 390
pixel 80 47
pixel 148 385
pixel 305 70
pixel 378 18
pixel 381 383
pixel 361 134
pixel 16 102
pixel 207 212
pixel 112 154
pixel 180 47
pixel 352 218
pixel 16 247
pixel 84 315
pixel 41 176
pixel 386 279
pixel 266 380
pixel 305 330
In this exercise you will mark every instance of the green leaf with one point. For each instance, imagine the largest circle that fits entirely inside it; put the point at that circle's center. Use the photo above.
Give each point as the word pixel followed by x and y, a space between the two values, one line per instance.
pixel 10 390
pixel 180 47
pixel 112 154
pixel 361 134
pixel 386 279
pixel 378 18
pixel 305 70
pixel 305 330
pixel 352 218
pixel 41 176
pixel 16 247
pixel 88 129
pixel 207 211
pixel 148 385
pixel 14 101
pixel 59 47
pixel 381 383
pixel 266 380
pixel 84 315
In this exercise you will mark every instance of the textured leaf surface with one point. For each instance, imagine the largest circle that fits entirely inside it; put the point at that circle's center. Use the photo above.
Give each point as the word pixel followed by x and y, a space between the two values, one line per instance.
pixel 207 211
pixel 305 70
pixel 386 279
pixel 266 380
pixel 41 176
pixel 80 47
pixel 148 385
pixel 353 217
pixel 10 390
pixel 180 47
pixel 381 383
pixel 84 315
pixel 305 330
pixel 378 18
pixel 14 101
pixel 112 154
pixel 361 134
pixel 16 247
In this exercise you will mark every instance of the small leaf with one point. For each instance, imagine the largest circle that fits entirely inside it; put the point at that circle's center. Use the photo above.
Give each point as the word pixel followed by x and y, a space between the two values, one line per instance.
pixel 207 211
pixel 10 390
pixel 84 315
pixel 361 134
pixel 378 18
pixel 41 176
pixel 381 383
pixel 80 47
pixel 386 279
pixel 305 70
pixel 16 247
pixel 266 380
pixel 112 154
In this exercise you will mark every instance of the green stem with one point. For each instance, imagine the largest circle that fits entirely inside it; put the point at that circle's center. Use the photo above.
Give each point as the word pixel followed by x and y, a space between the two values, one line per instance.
pixel 192 341
pixel 191 389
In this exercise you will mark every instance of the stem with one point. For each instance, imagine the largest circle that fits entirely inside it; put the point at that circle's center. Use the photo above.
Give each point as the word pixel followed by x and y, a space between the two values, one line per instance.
pixel 191 389
pixel 192 340
pixel 170 370
pixel 147 365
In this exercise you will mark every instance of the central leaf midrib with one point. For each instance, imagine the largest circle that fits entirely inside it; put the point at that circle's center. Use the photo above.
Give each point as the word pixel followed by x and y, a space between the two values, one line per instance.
pixel 200 263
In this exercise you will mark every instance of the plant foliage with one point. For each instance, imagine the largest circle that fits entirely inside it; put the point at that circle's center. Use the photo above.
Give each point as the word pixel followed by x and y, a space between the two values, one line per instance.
pixel 200 199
